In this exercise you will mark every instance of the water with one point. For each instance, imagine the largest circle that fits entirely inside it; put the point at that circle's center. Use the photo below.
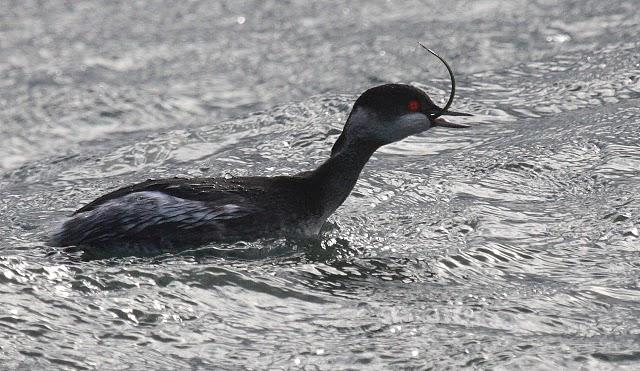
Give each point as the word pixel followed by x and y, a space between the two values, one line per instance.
pixel 511 245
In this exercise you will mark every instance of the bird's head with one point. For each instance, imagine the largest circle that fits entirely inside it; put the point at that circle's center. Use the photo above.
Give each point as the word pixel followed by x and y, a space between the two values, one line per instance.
pixel 389 113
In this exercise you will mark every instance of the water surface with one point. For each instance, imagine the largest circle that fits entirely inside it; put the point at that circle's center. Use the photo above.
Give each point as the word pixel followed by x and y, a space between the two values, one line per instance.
pixel 513 244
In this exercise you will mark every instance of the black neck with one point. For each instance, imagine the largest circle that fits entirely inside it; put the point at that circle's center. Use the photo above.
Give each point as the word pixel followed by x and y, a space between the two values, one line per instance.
pixel 337 176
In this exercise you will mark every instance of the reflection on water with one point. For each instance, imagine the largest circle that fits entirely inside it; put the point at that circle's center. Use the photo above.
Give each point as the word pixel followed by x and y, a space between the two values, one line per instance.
pixel 512 244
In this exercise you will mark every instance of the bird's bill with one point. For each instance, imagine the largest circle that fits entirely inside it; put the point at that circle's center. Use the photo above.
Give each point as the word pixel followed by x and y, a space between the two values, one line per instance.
pixel 441 121
pixel 454 113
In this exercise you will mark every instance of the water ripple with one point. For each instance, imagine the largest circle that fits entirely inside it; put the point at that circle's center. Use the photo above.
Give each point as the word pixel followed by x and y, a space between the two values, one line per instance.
pixel 512 244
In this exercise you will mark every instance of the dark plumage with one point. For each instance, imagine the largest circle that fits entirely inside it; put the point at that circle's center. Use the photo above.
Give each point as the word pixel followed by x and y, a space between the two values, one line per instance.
pixel 176 212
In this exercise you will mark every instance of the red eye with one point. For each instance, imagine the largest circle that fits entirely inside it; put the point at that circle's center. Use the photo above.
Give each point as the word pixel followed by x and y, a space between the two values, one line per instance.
pixel 413 106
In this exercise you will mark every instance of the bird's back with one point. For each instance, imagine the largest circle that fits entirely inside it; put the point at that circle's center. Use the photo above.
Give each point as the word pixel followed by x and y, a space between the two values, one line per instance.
pixel 193 211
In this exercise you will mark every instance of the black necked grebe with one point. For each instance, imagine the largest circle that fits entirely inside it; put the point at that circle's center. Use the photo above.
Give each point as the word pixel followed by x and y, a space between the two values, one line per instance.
pixel 179 212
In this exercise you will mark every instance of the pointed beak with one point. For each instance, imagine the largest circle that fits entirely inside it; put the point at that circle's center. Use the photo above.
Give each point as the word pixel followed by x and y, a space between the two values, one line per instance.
pixel 441 121
pixel 454 113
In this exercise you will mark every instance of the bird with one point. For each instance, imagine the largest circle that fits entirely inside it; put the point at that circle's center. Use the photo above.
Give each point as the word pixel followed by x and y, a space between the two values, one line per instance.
pixel 180 212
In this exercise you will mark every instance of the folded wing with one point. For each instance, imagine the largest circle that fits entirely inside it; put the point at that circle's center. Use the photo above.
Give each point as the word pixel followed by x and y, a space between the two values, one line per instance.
pixel 145 214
